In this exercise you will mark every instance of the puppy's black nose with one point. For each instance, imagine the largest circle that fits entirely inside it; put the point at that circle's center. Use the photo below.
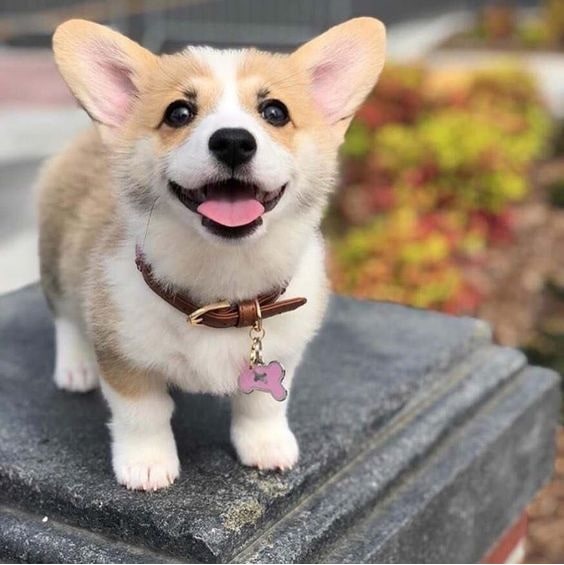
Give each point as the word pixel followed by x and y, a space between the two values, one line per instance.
pixel 233 146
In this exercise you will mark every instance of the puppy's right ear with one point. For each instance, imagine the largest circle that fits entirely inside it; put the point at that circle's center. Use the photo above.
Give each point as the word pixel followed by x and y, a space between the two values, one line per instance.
pixel 103 68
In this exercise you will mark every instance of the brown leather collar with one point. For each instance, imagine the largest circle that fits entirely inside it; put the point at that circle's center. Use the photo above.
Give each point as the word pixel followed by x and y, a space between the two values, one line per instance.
pixel 223 314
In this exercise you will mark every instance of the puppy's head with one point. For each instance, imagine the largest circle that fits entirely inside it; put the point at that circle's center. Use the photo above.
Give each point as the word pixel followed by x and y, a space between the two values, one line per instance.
pixel 230 143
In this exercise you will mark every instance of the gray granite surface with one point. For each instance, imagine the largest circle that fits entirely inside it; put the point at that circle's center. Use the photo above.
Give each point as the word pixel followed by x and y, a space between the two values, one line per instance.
pixel 384 406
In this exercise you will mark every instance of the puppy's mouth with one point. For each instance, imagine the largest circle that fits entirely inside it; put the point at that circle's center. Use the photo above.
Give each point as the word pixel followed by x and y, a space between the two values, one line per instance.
pixel 230 208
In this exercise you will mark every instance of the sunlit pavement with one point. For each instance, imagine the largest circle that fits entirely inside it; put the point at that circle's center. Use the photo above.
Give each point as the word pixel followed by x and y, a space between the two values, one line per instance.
pixel 26 137
pixel 37 118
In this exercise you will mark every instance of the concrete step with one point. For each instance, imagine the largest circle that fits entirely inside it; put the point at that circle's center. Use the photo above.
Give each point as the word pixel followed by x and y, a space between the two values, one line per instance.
pixel 421 441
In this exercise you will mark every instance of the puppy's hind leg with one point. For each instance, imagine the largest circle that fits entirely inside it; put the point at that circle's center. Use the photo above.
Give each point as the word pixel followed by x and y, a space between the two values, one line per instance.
pixel 76 369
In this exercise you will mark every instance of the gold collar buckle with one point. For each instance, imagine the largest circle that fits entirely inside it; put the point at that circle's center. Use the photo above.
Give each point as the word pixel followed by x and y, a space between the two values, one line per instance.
pixel 196 317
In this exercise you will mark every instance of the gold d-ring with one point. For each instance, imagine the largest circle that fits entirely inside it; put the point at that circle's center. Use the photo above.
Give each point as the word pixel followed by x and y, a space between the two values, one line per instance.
pixel 259 311
pixel 195 318
pixel 257 326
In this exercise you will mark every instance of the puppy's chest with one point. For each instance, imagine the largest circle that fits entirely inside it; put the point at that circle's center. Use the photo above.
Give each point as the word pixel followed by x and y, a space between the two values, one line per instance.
pixel 154 335
pixel 196 359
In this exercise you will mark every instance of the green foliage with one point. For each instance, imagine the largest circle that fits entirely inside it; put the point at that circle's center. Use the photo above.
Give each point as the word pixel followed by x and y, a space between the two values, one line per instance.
pixel 405 258
pixel 556 190
pixel 477 166
pixel 443 169
pixel 534 34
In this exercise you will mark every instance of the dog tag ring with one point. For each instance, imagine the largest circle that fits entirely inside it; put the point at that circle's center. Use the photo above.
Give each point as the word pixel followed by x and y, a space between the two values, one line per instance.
pixel 257 375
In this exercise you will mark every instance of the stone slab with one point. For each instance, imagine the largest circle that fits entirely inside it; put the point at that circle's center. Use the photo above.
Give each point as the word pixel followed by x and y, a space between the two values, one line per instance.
pixel 382 388
pixel 27 538
pixel 456 506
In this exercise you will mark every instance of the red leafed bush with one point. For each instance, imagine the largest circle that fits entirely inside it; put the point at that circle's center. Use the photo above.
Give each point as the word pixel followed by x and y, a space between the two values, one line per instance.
pixel 431 169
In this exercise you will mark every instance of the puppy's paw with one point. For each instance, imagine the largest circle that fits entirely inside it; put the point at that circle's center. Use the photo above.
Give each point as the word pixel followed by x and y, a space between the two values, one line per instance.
pixel 270 446
pixel 79 377
pixel 147 475
pixel 147 469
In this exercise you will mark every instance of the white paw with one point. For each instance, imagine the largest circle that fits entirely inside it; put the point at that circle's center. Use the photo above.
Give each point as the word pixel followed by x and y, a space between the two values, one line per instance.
pixel 151 467
pixel 147 475
pixel 80 377
pixel 271 446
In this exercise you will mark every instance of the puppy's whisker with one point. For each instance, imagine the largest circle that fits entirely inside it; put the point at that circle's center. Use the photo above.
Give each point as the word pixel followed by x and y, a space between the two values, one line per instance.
pixel 285 81
pixel 148 222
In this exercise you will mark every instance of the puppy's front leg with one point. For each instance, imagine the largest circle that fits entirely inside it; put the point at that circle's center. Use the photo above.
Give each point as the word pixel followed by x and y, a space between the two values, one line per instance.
pixel 260 432
pixel 144 452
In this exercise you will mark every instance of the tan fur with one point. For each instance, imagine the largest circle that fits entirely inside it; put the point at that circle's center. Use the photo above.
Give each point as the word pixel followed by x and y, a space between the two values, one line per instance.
pixel 126 379
pixel 75 206
pixel 368 36
pixel 283 79
pixel 98 199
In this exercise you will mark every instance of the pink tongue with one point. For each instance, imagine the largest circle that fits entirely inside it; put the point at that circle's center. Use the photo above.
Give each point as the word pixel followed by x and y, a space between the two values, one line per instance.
pixel 232 213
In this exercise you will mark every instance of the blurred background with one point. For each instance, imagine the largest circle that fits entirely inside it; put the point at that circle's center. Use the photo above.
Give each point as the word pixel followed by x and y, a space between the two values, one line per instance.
pixel 452 195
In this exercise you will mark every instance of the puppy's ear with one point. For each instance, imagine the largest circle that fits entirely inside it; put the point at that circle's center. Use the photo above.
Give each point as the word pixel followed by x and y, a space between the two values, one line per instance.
pixel 103 68
pixel 343 65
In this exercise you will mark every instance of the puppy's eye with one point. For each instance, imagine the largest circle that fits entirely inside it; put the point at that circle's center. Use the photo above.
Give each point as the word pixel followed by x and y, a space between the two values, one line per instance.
pixel 274 112
pixel 179 114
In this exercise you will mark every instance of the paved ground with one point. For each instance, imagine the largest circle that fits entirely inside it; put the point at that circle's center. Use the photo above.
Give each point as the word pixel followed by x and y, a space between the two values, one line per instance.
pixel 17 225
pixel 37 118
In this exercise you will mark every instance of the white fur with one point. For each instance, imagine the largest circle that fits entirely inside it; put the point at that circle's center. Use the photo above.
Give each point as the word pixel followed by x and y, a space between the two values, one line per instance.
pixel 139 329
pixel 143 450
pixel 201 359
pixel 271 167
pixel 192 165
pixel 287 249
pixel 76 369
pixel 260 431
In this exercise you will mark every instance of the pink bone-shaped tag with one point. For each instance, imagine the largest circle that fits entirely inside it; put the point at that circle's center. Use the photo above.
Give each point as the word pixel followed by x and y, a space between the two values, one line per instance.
pixel 266 378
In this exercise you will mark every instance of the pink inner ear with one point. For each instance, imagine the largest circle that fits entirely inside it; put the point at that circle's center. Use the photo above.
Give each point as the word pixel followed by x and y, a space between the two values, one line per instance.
pixel 333 78
pixel 110 86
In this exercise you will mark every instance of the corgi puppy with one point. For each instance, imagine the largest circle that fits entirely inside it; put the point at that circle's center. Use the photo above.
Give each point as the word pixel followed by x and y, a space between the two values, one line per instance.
pixel 169 230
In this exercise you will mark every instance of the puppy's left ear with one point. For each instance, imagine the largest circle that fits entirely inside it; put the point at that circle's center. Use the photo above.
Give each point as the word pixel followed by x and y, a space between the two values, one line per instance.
pixel 343 65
